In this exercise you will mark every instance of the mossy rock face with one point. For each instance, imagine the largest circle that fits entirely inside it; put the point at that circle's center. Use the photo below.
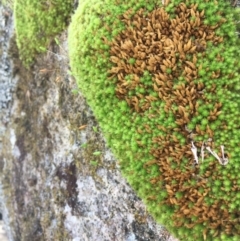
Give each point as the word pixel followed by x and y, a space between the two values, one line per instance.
pixel 36 22
pixel 163 82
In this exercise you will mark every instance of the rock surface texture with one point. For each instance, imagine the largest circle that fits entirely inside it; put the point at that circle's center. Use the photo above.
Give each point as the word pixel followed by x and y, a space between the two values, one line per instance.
pixel 59 181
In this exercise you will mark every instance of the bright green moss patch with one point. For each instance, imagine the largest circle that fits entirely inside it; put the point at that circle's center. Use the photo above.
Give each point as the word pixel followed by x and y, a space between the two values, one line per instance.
pixel 163 82
pixel 7 3
pixel 36 22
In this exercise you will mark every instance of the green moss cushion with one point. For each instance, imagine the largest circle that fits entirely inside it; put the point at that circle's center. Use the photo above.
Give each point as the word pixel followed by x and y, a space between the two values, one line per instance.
pixel 36 21
pixel 163 82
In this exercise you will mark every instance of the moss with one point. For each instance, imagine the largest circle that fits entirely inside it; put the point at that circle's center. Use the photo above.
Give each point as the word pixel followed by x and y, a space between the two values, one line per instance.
pixel 36 22
pixel 8 3
pixel 163 82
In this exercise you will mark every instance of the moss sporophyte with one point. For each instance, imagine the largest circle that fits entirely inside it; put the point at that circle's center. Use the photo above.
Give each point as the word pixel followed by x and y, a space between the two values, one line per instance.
pixel 163 82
